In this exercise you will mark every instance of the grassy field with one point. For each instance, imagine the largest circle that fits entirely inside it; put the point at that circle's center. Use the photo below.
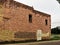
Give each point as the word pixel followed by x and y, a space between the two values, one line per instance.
pixel 55 36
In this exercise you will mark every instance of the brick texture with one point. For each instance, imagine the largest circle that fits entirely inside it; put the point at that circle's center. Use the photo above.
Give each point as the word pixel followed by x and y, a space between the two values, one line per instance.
pixel 16 17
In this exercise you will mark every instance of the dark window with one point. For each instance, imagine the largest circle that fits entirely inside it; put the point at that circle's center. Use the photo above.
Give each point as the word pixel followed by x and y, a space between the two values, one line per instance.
pixel 30 18
pixel 46 22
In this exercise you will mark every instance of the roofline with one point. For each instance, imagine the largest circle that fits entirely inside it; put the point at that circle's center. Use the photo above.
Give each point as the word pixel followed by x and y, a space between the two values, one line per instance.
pixel 45 14
pixel 27 7
pixel 35 11
pixel 24 5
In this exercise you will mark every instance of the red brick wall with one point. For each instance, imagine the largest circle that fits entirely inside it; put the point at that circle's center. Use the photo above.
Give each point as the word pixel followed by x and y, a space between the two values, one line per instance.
pixel 16 18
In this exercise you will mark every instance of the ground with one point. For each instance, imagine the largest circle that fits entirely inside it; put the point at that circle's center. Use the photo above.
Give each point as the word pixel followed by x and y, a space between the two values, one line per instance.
pixel 55 42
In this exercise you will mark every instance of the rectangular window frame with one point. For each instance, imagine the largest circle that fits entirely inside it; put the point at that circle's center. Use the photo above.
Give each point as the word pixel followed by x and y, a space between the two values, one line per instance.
pixel 30 18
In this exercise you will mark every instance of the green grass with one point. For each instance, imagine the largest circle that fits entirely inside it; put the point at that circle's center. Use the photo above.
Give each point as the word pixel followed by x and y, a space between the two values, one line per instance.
pixel 55 37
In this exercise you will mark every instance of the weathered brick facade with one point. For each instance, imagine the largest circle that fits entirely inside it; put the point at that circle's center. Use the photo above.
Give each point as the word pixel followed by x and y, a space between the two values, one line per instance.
pixel 15 17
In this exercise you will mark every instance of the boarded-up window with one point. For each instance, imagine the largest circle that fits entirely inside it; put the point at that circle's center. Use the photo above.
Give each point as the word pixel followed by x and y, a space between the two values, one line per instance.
pixel 25 35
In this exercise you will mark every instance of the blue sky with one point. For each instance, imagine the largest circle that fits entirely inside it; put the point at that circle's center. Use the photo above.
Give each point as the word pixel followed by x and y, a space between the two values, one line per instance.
pixel 51 7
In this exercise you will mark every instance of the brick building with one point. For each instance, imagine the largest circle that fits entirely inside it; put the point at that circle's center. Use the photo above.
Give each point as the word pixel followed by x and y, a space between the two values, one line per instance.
pixel 21 22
